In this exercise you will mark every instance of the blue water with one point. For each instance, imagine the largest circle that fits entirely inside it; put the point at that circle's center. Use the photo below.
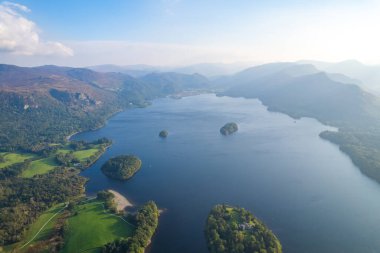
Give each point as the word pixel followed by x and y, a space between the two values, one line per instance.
pixel 306 190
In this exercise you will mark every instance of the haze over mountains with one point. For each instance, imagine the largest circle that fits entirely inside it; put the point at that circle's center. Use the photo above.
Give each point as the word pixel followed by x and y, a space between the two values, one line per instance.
pixel 206 69
pixel 349 71
pixel 367 76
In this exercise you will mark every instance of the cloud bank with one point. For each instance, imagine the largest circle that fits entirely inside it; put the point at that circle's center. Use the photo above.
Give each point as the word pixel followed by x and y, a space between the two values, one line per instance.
pixel 20 36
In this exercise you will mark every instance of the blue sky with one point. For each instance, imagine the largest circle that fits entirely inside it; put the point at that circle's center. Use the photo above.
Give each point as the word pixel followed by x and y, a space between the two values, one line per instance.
pixel 169 32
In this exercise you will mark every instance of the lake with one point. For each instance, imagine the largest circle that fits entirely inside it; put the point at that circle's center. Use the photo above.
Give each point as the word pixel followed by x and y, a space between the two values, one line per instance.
pixel 306 190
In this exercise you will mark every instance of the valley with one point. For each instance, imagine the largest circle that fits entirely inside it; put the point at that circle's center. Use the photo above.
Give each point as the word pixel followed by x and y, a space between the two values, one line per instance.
pixel 42 151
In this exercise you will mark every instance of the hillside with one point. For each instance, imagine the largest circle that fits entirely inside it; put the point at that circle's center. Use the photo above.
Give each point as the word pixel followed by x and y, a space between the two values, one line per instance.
pixel 45 104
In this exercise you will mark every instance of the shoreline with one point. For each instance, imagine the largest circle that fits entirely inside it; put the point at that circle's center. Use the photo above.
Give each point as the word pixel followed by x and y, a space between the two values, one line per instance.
pixel 121 202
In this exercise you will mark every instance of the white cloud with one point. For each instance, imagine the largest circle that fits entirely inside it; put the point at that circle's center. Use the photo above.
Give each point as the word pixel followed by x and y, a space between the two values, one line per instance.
pixel 20 36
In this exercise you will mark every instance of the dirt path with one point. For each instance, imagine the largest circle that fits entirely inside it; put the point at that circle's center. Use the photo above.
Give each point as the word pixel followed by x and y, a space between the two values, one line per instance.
pixel 34 237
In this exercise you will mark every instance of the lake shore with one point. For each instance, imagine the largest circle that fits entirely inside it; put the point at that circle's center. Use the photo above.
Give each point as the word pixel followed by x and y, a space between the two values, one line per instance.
pixel 121 201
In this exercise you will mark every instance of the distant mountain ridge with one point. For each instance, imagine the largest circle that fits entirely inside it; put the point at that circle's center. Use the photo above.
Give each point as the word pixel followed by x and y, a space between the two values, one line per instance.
pixel 367 77
pixel 205 69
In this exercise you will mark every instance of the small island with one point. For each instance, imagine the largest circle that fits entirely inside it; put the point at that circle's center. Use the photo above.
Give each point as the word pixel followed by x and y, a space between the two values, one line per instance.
pixel 163 134
pixel 121 167
pixel 229 128
pixel 234 229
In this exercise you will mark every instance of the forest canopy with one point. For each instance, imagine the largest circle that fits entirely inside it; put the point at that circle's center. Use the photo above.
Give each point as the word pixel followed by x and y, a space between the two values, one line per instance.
pixel 121 167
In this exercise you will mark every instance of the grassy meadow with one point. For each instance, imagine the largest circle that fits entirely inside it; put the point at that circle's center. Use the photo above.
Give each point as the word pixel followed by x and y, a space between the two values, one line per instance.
pixel 41 165
pixel 91 228
pixel 13 158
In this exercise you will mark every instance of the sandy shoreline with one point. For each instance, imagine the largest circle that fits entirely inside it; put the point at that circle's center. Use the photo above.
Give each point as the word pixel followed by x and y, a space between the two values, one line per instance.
pixel 121 201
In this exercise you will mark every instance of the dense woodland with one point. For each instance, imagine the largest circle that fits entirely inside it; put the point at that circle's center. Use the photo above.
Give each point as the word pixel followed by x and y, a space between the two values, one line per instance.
pixel 146 221
pixel 32 128
pixel 121 167
pixel 235 230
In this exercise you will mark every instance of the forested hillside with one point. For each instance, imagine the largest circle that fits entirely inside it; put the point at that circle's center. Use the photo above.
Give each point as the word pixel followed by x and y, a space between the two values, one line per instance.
pixel 45 104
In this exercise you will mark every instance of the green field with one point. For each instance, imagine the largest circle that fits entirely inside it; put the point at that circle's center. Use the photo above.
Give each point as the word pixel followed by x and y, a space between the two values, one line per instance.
pixel 35 228
pixel 91 228
pixel 45 165
pixel 13 158
pixel 40 166
pixel 82 155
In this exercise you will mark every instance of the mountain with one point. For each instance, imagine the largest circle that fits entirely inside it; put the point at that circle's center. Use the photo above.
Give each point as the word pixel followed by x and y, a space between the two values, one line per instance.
pixel 44 104
pixel 132 70
pixel 255 73
pixel 213 69
pixel 171 82
pixel 368 77
pixel 304 95
pixel 205 69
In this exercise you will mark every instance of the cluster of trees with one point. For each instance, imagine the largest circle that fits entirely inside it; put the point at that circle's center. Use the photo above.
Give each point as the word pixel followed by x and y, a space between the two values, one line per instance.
pixel 235 230
pixel 163 134
pixel 14 170
pixel 109 201
pixel 121 167
pixel 67 159
pixel 229 128
pixel 146 221
pixel 81 145
pixel 22 200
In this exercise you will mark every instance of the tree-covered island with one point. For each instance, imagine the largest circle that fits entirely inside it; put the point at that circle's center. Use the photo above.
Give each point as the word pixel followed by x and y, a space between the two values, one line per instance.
pixel 232 229
pixel 229 128
pixel 163 134
pixel 121 167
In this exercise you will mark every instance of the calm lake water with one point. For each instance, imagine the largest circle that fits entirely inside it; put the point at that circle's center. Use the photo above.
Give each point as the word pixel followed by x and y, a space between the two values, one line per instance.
pixel 306 190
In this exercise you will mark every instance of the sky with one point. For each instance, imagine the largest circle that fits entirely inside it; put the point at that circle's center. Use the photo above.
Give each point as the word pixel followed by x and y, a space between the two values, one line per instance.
pixel 181 32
